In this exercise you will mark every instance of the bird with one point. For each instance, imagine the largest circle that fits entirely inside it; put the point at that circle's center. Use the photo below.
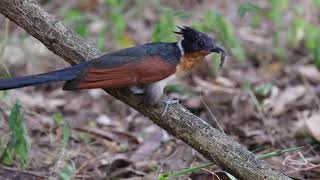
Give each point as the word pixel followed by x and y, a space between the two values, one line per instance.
pixel 144 69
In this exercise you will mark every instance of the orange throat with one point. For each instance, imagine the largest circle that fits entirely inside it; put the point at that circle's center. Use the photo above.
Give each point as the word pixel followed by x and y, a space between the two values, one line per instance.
pixel 190 60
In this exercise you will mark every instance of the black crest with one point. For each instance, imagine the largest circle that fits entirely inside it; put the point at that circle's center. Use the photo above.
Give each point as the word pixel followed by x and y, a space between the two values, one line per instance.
pixel 188 32
pixel 194 41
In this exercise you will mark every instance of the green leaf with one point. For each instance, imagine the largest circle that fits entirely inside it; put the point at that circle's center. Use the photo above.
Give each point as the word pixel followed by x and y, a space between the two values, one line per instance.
pixel 66 133
pixel 67 172
pixel 119 26
pixel 277 8
pixel 72 16
pixel 317 56
pixel 76 18
pixel 101 40
pixel 191 170
pixel 164 26
pixel 7 157
pixel 296 32
pixel 117 19
pixel 246 85
pixel 163 177
pixel 280 52
pixel 263 89
pixel 248 8
pixel 316 2
pixel 7 76
pixel 279 152
pixel 115 4
pixel 255 21
pixel 5 93
pixel 82 30
pixel 18 141
pixel 225 31
pixel 230 176
pixel 184 171
pixel 64 176
pixel 58 118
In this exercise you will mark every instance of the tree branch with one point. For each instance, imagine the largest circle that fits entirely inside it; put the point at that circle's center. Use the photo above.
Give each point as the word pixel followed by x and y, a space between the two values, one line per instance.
pixel 178 121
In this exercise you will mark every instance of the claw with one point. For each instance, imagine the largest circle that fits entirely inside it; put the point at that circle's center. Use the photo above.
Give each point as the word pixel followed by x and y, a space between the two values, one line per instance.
pixel 168 101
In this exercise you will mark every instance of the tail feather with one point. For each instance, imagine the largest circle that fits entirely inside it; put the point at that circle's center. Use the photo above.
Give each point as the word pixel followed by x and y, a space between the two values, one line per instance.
pixel 66 74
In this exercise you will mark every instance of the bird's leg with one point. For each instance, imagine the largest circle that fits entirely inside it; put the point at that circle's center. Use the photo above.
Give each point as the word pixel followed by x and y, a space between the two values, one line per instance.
pixel 152 94
pixel 168 101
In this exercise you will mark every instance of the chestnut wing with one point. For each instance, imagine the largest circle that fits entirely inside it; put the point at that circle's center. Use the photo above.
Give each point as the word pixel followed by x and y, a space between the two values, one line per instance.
pixel 143 70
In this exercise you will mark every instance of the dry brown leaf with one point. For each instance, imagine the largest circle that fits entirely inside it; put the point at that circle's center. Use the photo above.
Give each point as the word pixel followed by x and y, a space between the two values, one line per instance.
pixel 271 69
pixel 88 5
pixel 111 135
pixel 280 103
pixel 313 125
pixel 309 127
pixel 239 76
pixel 182 157
pixel 193 102
pixel 150 144
pixel 38 100
pixel 225 82
pixel 310 72
pixel 206 86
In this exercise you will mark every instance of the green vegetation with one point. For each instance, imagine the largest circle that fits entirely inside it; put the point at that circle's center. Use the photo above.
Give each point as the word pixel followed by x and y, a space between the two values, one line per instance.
pixel 171 175
pixel 248 7
pixel 5 93
pixel 287 35
pixel 118 23
pixel 67 172
pixel 185 171
pixel 18 144
pixel 59 120
pixel 77 19
pixel 300 29
pixel 278 152
pixel 263 89
pixel 225 32
pixel 164 26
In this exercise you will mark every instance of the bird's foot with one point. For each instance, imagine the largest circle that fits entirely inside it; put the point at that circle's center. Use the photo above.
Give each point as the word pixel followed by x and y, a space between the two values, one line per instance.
pixel 168 101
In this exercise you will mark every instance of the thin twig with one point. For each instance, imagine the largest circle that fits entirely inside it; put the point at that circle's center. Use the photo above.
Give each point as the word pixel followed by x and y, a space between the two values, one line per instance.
pixel 212 173
pixel 304 169
pixel 210 112
pixel 23 173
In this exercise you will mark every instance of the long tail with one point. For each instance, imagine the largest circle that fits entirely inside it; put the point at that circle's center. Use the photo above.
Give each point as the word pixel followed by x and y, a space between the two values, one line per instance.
pixel 66 74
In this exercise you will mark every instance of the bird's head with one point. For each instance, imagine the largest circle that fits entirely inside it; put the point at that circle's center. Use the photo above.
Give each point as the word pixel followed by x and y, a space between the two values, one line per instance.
pixel 195 42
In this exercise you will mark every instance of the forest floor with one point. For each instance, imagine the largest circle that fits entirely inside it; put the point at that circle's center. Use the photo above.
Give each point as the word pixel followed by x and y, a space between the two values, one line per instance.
pixel 265 102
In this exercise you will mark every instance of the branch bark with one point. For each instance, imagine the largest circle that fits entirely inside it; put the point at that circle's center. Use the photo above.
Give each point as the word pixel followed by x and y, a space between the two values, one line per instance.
pixel 178 121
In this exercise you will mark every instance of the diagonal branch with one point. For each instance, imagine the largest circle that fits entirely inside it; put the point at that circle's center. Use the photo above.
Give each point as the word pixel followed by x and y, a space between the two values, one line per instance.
pixel 178 121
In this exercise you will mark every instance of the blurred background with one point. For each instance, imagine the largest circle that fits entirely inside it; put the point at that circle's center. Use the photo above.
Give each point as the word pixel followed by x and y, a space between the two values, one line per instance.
pixel 266 96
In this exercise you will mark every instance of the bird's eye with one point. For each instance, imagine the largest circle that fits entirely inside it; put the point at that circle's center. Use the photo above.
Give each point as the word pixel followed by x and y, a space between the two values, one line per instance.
pixel 200 43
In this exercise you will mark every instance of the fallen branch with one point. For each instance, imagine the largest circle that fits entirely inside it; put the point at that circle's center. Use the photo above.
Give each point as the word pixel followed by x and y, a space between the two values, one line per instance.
pixel 178 121
pixel 11 173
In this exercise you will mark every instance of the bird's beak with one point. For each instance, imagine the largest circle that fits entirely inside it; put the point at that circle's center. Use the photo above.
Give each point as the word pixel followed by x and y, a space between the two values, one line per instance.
pixel 221 51
pixel 217 49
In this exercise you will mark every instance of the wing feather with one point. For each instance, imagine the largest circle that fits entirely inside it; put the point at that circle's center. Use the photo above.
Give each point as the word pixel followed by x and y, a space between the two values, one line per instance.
pixel 143 71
